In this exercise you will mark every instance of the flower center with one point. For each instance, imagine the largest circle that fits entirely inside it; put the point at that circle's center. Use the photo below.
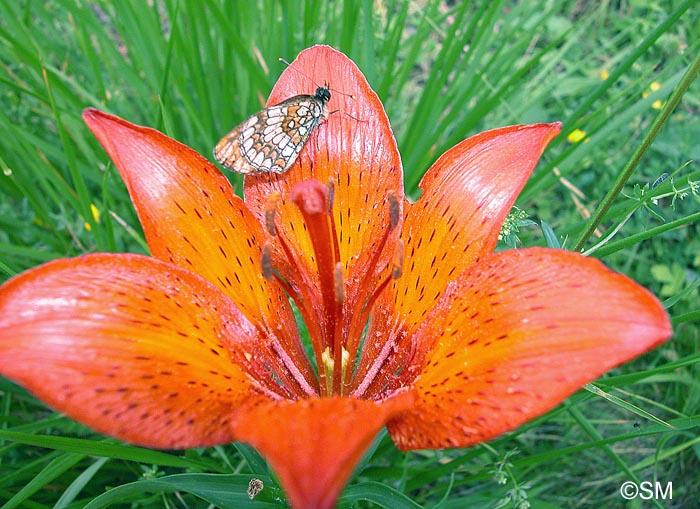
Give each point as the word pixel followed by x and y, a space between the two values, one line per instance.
pixel 334 309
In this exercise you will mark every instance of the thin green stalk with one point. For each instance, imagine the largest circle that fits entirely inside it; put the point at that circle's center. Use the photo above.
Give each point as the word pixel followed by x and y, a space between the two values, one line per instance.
pixel 593 433
pixel 165 79
pixel 618 245
pixel 692 316
pixel 649 138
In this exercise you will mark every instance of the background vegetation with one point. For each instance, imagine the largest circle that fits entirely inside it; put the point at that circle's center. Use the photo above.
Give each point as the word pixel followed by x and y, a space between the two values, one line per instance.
pixel 611 71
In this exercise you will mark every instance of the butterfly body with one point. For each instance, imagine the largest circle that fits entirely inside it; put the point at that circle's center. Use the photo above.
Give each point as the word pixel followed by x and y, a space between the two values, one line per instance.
pixel 272 139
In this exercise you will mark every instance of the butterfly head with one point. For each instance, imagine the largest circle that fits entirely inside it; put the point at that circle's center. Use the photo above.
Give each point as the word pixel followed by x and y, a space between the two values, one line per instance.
pixel 323 94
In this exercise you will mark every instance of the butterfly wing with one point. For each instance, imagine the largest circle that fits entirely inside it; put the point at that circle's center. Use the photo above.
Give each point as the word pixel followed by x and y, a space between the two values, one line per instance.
pixel 272 139
pixel 228 151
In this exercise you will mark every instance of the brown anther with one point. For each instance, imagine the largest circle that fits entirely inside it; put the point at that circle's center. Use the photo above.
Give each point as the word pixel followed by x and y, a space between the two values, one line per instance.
pixel 339 283
pixel 266 262
pixel 331 196
pixel 393 210
pixel 397 262
pixel 270 222
pixel 271 212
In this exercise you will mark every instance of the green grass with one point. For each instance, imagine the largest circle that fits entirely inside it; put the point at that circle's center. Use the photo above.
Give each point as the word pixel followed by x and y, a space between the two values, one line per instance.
pixel 195 69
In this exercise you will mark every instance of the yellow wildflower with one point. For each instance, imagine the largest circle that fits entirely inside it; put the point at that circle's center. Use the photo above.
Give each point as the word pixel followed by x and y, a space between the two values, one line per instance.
pixel 95 212
pixel 96 216
pixel 576 135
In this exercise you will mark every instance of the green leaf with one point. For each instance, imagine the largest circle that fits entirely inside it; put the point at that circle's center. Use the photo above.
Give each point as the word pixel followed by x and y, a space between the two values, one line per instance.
pixel 224 491
pixel 93 448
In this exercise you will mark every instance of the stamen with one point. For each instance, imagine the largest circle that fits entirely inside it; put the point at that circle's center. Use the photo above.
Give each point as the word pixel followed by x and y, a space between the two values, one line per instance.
pixel 339 283
pixel 293 374
pixel 397 262
pixel 270 213
pixel 397 360
pixel 328 368
pixel 270 273
pixel 266 262
pixel 395 274
pixel 339 334
pixel 371 376
pixel 270 222
pixel 393 210
pixel 331 196
pixel 279 371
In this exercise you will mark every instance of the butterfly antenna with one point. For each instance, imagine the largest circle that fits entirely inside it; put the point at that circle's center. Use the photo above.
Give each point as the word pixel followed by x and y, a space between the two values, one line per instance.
pixel 351 96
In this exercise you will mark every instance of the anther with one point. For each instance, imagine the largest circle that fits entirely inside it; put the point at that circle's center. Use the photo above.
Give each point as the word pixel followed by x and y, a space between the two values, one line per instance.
pixel 331 196
pixel 266 262
pixel 339 283
pixel 397 261
pixel 271 213
pixel 393 209
pixel 270 222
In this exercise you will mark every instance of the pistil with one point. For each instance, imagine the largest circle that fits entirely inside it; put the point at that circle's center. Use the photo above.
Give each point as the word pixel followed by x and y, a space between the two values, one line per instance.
pixel 311 197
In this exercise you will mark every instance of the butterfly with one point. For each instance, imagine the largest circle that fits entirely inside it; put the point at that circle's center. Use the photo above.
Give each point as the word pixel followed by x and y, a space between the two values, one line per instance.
pixel 272 139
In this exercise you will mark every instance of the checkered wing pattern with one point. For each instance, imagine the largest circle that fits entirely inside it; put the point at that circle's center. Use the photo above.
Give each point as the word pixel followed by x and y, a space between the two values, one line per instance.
pixel 271 139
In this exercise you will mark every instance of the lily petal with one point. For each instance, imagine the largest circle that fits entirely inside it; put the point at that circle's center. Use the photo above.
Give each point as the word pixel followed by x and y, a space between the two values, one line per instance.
pixel 131 346
pixel 467 195
pixel 188 211
pixel 356 151
pixel 314 444
pixel 515 335
pixel 192 218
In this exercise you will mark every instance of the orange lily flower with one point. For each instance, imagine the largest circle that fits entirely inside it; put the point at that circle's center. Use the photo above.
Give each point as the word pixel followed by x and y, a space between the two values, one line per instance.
pixel 198 344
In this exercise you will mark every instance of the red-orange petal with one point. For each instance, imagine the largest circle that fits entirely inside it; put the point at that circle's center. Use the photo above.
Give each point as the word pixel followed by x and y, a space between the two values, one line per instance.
pixel 192 218
pixel 314 444
pixel 131 346
pixel 467 194
pixel 355 150
pixel 514 336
